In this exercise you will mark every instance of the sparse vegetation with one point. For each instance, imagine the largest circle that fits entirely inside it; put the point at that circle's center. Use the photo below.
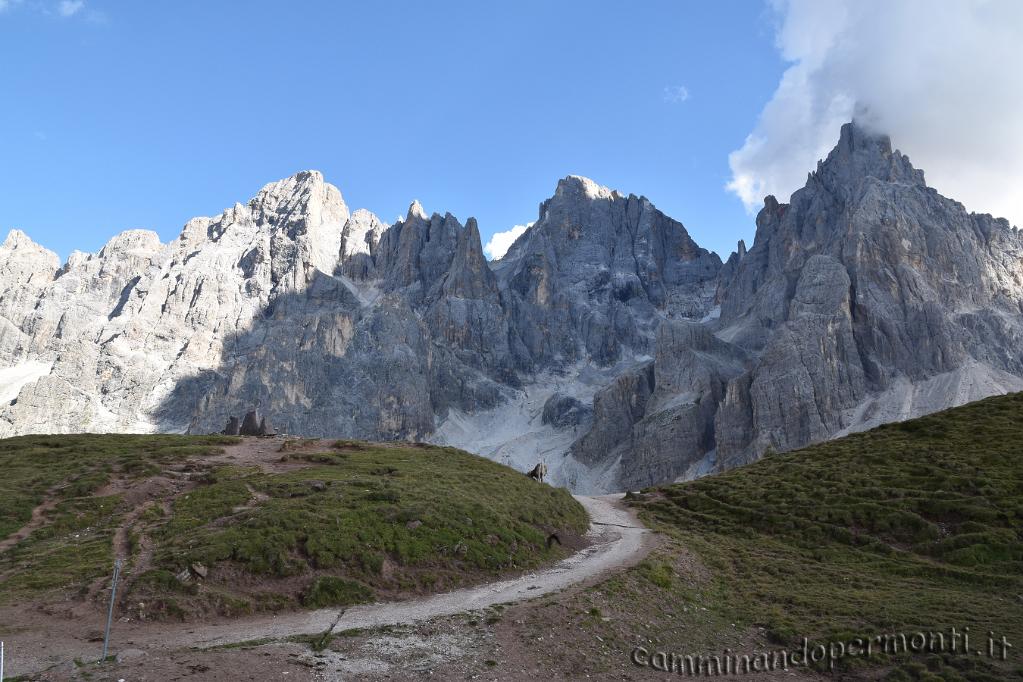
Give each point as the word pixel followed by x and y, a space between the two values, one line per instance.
pixel 78 465
pixel 72 545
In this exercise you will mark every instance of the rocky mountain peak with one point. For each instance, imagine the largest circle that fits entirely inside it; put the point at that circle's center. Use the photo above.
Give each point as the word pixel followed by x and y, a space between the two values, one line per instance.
pixel 17 239
pixel 309 180
pixel 470 275
pixel 140 243
pixel 299 203
pixel 579 186
pixel 867 298
pixel 615 263
pixel 20 253
pixel 303 218
pixel 862 153
pixel 415 211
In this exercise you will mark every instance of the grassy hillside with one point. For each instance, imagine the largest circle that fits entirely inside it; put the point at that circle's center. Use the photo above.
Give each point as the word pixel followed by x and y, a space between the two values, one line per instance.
pixel 262 524
pixel 912 526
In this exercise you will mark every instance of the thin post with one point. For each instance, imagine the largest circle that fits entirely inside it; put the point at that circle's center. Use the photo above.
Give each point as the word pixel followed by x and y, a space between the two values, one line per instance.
pixel 1 662
pixel 110 611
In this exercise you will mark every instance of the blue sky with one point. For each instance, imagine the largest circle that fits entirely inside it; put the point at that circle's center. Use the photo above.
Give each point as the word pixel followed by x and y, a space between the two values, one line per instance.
pixel 117 115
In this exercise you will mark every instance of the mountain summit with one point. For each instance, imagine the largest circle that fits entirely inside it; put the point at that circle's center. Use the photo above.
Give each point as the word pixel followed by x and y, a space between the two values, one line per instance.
pixel 606 341
pixel 868 298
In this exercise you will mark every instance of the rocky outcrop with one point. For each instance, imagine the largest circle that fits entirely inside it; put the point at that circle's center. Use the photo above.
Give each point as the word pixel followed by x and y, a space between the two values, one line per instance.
pixel 564 411
pixel 233 427
pixel 26 270
pixel 616 409
pixel 250 424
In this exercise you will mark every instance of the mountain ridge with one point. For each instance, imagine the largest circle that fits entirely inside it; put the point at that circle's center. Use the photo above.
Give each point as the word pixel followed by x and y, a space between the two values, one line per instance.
pixel 606 340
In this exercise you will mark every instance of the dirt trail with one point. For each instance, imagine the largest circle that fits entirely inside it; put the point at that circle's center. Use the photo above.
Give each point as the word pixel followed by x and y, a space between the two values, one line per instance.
pixel 267 453
pixel 617 540
pixel 50 500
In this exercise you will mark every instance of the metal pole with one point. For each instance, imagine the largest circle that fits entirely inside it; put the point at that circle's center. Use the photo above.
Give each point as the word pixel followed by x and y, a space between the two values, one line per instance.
pixel 1 662
pixel 110 611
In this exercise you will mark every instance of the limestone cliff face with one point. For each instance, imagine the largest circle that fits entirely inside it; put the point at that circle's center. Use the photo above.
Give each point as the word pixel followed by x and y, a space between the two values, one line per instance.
pixel 606 340
pixel 331 321
pixel 26 270
pixel 597 272
pixel 123 329
pixel 869 297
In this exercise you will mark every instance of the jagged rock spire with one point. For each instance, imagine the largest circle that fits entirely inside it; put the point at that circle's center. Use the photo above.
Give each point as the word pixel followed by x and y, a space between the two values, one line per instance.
pixel 415 211
pixel 862 153
pixel 470 275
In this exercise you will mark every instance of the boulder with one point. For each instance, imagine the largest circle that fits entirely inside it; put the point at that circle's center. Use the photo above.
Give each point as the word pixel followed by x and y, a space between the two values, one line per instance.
pixel 250 425
pixel 564 411
pixel 265 429
pixel 233 427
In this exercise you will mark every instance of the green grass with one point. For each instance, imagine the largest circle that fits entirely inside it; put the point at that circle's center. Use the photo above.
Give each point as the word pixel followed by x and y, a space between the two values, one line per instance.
pixel 358 522
pixel 911 526
pixel 435 511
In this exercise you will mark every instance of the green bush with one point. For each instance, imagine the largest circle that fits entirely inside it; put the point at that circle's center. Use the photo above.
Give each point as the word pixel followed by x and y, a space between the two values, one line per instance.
pixel 333 591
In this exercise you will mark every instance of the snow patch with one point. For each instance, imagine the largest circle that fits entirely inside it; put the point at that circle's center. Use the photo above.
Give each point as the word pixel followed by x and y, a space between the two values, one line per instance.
pixel 13 379
pixel 514 435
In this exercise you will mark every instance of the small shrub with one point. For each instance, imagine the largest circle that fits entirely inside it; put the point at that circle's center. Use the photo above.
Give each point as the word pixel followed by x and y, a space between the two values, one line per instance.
pixel 330 590
pixel 659 574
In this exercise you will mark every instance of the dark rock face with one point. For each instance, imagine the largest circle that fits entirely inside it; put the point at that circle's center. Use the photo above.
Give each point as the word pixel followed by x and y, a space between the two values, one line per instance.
pixel 597 272
pixel 250 424
pixel 564 411
pixel 253 424
pixel 233 427
pixel 868 298
pixel 616 408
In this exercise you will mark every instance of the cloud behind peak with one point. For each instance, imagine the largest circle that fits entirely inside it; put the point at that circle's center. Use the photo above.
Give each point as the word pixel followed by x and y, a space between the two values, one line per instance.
pixel 941 79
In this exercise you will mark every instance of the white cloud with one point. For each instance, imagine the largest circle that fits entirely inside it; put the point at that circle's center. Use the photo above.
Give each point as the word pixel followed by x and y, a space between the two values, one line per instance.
pixel 943 79
pixel 502 241
pixel 8 4
pixel 675 93
pixel 68 8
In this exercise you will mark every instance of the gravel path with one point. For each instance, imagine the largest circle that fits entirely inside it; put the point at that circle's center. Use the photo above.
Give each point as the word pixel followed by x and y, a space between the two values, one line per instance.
pixel 617 540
